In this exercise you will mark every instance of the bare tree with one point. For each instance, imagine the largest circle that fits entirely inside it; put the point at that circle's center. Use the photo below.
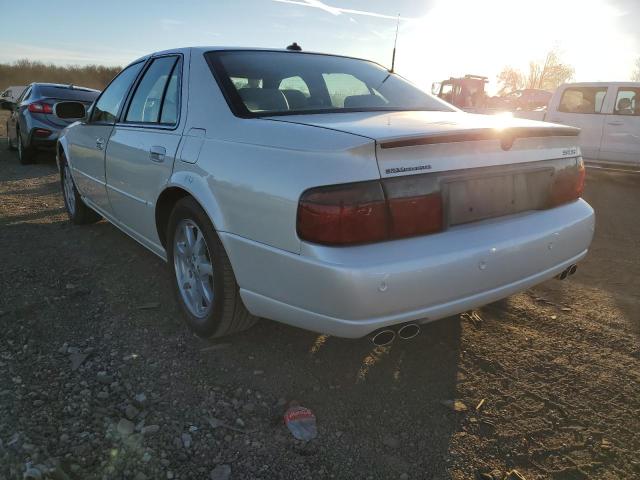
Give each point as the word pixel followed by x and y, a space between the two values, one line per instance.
pixel 546 75
pixel 510 80
pixel 550 74
pixel 635 76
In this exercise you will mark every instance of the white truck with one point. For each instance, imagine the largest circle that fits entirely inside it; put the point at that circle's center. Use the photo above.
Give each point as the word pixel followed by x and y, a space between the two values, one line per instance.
pixel 11 94
pixel 608 114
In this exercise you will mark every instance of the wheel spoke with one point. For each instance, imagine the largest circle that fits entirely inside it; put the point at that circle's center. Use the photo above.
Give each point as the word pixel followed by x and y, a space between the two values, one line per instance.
pixel 206 269
pixel 207 291
pixel 181 248
pixel 199 243
pixel 189 237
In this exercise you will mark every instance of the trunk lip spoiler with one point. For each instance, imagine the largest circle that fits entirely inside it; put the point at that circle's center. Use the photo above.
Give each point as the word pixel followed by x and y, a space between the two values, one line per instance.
pixel 505 135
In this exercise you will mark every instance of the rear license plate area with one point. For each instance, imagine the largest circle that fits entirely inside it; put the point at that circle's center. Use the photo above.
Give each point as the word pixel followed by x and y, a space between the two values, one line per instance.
pixel 483 197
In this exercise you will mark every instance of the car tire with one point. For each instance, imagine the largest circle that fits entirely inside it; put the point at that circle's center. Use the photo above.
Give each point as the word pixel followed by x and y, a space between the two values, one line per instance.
pixel 79 213
pixel 10 145
pixel 26 155
pixel 205 285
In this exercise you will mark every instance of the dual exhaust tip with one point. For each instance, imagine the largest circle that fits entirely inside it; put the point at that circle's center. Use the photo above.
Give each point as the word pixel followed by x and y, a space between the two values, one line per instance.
pixel 386 336
pixel 570 270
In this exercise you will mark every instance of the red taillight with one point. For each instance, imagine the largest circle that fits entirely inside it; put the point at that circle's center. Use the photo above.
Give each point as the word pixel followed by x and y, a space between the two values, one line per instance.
pixel 39 107
pixel 343 214
pixel 369 211
pixel 41 132
pixel 568 185
pixel 415 215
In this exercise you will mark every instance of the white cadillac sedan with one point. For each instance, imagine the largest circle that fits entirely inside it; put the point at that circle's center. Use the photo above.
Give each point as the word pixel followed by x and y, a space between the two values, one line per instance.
pixel 322 191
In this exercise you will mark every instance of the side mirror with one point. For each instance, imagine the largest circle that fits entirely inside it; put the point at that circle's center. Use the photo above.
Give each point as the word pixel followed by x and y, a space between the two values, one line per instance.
pixel 7 105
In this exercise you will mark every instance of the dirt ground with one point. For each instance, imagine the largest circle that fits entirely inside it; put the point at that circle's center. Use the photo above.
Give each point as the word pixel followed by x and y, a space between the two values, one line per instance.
pixel 100 379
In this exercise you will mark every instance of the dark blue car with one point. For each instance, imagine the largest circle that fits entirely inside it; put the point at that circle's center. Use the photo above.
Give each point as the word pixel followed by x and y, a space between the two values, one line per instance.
pixel 41 112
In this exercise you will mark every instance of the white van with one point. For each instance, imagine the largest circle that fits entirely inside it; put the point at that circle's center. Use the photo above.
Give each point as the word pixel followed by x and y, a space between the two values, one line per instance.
pixel 608 114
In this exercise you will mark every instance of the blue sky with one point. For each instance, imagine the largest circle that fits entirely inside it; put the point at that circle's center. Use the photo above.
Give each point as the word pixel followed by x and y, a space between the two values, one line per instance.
pixel 437 38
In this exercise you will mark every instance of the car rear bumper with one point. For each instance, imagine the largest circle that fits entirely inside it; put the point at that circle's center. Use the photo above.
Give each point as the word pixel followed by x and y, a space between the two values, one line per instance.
pixel 350 292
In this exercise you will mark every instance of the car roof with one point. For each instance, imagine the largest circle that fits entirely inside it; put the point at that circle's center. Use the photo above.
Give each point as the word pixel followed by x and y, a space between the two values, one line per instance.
pixel 63 85
pixel 602 84
pixel 205 49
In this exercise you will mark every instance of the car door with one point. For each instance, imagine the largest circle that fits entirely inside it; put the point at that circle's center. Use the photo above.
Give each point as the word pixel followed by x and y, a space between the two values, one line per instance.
pixel 621 139
pixel 581 106
pixel 142 148
pixel 87 141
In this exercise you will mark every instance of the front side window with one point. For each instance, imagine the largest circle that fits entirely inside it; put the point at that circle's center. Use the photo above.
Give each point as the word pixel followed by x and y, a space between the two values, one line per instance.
pixel 108 105
pixel 582 99
pixel 258 83
pixel 627 102
pixel 159 83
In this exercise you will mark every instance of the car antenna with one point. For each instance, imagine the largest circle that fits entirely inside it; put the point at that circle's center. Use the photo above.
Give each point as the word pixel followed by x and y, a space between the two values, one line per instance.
pixel 395 41
pixel 294 47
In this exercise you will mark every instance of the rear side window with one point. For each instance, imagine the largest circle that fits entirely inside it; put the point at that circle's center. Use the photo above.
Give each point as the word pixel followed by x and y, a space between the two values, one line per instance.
pixel 582 99
pixel 108 105
pixel 156 97
pixel 342 85
pixel 627 102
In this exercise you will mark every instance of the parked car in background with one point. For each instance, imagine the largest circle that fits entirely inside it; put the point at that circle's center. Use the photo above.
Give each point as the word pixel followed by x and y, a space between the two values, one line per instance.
pixel 39 114
pixel 608 114
pixel 11 94
pixel 322 191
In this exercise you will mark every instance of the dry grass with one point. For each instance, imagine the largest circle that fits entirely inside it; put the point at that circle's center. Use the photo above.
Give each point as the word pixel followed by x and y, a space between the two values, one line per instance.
pixel 23 72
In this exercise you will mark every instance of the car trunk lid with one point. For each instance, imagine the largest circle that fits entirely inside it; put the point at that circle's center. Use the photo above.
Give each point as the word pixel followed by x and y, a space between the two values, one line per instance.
pixel 483 166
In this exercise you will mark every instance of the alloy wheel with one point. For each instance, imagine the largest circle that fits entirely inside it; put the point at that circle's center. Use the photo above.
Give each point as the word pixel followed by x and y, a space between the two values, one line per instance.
pixel 69 193
pixel 194 268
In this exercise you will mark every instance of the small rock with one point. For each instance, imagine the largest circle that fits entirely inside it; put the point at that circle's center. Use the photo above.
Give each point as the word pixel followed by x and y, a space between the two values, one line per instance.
pixel 240 422
pixel 150 429
pixel 455 405
pixel 102 395
pixel 131 412
pixel 258 372
pixel 104 378
pixel 140 398
pixel 140 476
pixel 221 472
pixel 63 348
pixel 146 457
pixel 125 427
pixel 77 359
pixel 391 441
pixel 186 440
pixel 32 474
pixel 404 476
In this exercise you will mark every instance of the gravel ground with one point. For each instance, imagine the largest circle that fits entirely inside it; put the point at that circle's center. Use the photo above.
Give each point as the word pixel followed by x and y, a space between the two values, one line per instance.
pixel 100 379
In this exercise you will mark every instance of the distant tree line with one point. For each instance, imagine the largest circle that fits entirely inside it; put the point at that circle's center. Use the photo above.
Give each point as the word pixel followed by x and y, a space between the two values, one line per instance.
pixel 23 72
pixel 544 75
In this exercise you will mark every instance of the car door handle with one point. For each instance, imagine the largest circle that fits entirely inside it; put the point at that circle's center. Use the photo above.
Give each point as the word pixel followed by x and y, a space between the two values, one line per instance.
pixel 615 123
pixel 100 143
pixel 156 153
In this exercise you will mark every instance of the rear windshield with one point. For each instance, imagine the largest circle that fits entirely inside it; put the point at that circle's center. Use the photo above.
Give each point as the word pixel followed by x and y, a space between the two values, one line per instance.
pixel 66 93
pixel 258 83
